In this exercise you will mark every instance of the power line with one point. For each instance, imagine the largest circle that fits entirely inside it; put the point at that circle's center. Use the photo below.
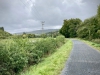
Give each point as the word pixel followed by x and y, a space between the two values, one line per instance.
pixel 23 3
pixel 36 14
pixel 42 26
pixel 36 9
pixel 27 7
pixel 39 16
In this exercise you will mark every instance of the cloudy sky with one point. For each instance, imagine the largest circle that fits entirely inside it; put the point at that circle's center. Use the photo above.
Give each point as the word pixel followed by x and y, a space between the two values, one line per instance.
pixel 27 15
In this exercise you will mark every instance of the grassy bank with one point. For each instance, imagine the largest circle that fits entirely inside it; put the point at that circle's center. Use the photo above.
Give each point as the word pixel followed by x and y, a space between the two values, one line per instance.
pixel 92 44
pixel 53 64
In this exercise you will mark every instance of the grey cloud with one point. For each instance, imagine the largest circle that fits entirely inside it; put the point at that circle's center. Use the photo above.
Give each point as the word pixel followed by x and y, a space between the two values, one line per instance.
pixel 11 12
pixel 21 16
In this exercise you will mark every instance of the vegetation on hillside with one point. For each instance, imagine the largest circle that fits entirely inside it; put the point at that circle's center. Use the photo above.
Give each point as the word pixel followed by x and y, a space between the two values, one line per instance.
pixel 49 34
pixel 4 34
pixel 39 32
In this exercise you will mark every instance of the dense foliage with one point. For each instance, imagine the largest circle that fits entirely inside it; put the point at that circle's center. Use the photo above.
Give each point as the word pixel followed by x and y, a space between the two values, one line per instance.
pixel 88 29
pixel 17 54
pixel 70 27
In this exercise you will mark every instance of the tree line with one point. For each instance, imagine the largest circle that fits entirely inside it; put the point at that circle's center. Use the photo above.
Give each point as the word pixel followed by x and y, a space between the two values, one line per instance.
pixel 88 29
pixel 6 35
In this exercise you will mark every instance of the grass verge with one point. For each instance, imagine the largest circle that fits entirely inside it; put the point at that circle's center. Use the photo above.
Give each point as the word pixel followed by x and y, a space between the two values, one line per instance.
pixel 92 44
pixel 53 64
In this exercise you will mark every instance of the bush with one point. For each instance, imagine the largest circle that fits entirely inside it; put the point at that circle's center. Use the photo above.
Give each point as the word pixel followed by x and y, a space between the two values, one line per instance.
pixel 41 48
pixel 60 40
pixel 18 54
pixel 44 47
pixel 13 58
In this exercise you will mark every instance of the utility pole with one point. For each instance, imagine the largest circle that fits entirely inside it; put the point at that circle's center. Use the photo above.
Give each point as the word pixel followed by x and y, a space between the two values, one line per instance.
pixel 42 26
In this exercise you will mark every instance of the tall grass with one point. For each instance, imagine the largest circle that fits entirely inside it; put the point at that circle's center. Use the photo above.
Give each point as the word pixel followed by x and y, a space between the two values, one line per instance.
pixel 96 41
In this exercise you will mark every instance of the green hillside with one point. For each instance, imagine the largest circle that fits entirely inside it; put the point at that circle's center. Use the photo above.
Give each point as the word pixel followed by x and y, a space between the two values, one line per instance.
pixel 40 31
pixel 4 34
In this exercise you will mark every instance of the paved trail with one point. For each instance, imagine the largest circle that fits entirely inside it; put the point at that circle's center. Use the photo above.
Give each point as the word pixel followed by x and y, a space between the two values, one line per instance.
pixel 83 60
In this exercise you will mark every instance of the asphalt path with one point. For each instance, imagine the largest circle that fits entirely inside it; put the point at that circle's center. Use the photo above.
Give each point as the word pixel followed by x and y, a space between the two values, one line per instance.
pixel 83 60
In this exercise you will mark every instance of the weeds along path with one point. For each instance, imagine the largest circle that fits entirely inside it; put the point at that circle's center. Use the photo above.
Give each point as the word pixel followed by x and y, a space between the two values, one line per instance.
pixel 52 64
pixel 83 60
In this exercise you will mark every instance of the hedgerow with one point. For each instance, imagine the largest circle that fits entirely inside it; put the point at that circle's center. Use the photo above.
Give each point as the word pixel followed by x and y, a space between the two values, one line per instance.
pixel 20 53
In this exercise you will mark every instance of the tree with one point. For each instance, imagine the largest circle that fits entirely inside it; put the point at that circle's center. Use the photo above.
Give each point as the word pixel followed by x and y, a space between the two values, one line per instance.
pixel 24 35
pixel 64 29
pixel 73 26
pixel 70 27
pixel 98 12
pixel 31 35
pixel 43 35
pixel 98 33
pixel 1 28
pixel 88 28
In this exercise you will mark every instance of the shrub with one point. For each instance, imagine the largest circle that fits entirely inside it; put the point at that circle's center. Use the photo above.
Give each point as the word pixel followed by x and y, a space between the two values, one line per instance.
pixel 60 40
pixel 12 58
pixel 17 54
pixel 41 48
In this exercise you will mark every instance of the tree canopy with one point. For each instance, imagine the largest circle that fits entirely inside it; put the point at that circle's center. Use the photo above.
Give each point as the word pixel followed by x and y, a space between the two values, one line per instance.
pixel 70 27
pixel 89 28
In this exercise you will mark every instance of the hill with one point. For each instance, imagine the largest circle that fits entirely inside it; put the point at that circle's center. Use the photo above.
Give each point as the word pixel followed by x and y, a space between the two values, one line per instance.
pixel 4 34
pixel 38 32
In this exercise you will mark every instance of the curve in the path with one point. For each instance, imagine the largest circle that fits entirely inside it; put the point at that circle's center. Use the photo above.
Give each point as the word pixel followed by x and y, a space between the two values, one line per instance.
pixel 83 60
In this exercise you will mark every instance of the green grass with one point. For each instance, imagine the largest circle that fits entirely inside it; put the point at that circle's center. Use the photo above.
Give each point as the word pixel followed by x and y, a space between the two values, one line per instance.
pixel 53 64
pixel 92 44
